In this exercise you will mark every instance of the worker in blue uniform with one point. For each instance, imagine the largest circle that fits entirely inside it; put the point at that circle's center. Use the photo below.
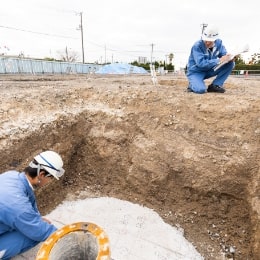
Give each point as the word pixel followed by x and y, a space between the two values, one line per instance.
pixel 205 55
pixel 21 224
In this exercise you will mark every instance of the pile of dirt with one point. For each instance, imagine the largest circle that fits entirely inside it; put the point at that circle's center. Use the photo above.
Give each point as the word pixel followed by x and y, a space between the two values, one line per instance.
pixel 192 158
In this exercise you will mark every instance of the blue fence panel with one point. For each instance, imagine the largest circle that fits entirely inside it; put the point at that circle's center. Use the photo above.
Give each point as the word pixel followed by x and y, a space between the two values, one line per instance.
pixel 2 66
pixel 37 67
pixel 48 67
pixel 13 65
pixel 25 66
pixel 56 67
pixel 65 68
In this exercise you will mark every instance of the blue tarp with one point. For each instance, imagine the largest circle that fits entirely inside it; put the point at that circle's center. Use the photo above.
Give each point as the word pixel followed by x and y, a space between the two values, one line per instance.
pixel 121 68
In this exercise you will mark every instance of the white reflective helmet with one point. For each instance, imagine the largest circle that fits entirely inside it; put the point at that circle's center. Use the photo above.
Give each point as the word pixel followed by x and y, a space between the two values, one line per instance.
pixel 49 161
pixel 210 34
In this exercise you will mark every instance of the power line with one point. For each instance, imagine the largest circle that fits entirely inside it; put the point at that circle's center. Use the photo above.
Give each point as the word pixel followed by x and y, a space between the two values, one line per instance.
pixel 46 34
pixel 116 50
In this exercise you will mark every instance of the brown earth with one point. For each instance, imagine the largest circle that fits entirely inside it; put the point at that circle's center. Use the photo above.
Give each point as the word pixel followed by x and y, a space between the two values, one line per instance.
pixel 192 158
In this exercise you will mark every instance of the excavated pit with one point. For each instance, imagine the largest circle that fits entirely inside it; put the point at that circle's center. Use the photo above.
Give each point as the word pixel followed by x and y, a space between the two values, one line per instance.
pixel 76 245
pixel 152 148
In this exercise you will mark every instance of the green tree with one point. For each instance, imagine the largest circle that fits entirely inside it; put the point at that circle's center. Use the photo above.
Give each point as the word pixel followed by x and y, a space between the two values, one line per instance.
pixel 171 56
pixel 239 60
pixel 255 58
pixel 169 67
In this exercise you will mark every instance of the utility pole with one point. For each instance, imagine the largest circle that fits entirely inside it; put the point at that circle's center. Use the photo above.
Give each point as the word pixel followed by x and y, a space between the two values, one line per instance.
pixel 82 41
pixel 204 25
pixel 152 53
pixel 67 54
pixel 105 54
pixel 166 56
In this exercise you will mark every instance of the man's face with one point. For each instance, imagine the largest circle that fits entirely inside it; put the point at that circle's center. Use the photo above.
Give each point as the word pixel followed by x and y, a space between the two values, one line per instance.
pixel 42 180
pixel 209 44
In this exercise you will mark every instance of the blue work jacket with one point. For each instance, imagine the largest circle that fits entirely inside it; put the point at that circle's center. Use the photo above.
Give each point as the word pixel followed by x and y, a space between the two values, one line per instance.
pixel 203 59
pixel 18 208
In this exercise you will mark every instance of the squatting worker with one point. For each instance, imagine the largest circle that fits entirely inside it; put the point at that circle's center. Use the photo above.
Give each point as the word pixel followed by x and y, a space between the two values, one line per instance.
pixel 21 224
pixel 205 55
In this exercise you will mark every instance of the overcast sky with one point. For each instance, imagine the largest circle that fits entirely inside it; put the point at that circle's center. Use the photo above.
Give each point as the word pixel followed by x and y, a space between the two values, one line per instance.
pixel 118 30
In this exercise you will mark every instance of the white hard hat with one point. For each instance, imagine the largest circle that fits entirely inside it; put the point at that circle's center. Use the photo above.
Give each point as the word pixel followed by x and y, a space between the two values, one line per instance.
pixel 49 161
pixel 210 33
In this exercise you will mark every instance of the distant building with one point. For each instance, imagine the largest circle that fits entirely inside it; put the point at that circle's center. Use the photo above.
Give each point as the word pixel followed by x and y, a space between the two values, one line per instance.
pixel 142 60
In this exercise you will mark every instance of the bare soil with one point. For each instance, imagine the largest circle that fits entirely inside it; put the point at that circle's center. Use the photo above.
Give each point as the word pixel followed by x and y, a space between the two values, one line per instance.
pixel 192 158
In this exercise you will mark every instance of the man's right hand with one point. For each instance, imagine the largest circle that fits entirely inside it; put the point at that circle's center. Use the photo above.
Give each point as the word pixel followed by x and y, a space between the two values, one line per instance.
pixel 226 58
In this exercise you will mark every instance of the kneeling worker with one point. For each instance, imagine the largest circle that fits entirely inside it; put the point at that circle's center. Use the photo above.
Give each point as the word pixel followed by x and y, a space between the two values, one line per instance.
pixel 205 55
pixel 21 224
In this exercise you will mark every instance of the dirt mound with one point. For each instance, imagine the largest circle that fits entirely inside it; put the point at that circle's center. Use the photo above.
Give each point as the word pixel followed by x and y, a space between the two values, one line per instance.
pixel 192 158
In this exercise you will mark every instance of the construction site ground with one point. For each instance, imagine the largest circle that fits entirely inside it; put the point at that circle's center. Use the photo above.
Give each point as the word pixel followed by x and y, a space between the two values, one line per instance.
pixel 192 158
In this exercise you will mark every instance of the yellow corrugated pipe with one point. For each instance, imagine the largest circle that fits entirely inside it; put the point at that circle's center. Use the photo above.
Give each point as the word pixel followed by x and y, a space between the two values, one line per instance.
pixel 101 247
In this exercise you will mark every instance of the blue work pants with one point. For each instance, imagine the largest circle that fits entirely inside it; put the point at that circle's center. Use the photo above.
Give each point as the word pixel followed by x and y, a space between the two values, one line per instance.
pixel 14 243
pixel 196 78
